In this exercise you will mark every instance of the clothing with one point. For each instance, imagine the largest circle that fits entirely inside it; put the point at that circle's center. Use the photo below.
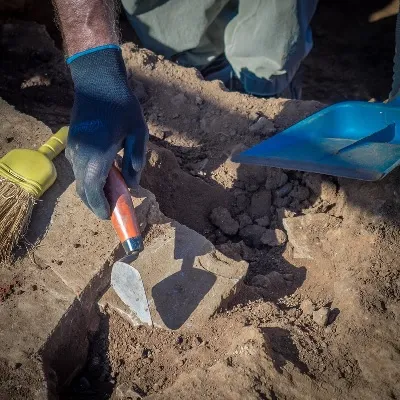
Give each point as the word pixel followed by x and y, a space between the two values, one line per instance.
pixel 106 117
pixel 264 40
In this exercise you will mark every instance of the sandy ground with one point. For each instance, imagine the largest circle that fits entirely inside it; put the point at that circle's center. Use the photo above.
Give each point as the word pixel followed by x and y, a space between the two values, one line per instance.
pixel 319 314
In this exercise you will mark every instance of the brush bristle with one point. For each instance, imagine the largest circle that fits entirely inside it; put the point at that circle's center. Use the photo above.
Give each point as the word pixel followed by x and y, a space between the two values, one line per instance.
pixel 16 206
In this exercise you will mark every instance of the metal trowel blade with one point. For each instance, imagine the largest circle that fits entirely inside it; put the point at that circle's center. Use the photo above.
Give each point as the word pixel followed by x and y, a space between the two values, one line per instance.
pixel 128 284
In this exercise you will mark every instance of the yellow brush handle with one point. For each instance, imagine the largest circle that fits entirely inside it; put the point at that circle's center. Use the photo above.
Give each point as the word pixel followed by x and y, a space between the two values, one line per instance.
pixel 56 144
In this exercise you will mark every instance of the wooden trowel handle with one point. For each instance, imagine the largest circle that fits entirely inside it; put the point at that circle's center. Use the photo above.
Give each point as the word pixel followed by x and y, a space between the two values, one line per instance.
pixel 123 216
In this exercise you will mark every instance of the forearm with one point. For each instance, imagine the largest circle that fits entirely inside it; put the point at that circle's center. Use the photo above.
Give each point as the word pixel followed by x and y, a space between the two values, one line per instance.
pixel 86 24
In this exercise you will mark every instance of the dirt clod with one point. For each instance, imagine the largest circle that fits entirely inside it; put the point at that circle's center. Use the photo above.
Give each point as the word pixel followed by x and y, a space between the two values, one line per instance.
pixel 284 190
pixel 222 218
pixel 252 234
pixel 274 237
pixel 260 204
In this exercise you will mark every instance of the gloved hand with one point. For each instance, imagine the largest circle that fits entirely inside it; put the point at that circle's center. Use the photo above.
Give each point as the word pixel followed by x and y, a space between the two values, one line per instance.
pixel 106 116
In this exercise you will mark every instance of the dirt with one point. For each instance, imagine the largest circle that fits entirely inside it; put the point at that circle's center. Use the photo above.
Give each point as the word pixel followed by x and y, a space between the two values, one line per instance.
pixel 318 314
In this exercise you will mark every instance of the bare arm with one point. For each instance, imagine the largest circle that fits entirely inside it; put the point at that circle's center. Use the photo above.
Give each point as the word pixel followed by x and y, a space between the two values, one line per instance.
pixel 86 23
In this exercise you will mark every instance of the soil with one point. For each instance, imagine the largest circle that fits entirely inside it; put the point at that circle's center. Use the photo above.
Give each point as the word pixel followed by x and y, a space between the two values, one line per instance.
pixel 318 316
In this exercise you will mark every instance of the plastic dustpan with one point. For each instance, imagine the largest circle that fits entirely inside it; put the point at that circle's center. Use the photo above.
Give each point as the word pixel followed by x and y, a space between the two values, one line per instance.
pixel 352 139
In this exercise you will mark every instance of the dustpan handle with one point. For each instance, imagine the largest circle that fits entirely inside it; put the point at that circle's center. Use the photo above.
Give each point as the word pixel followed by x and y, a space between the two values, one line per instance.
pixel 123 216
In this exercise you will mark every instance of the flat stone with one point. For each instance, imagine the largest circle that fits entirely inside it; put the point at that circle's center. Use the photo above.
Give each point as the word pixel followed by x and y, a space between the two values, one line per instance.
pixel 186 279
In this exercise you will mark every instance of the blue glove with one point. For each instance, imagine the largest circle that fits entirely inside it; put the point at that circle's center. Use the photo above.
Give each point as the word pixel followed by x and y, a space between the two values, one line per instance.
pixel 106 117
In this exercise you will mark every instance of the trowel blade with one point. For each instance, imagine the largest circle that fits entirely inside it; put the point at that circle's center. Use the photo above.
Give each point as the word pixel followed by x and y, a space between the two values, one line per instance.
pixel 128 284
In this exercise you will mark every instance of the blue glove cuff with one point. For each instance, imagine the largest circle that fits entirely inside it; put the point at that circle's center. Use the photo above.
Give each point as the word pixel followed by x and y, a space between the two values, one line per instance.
pixel 92 50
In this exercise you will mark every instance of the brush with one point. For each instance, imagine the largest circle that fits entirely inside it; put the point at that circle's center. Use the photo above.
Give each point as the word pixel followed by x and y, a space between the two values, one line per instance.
pixel 24 176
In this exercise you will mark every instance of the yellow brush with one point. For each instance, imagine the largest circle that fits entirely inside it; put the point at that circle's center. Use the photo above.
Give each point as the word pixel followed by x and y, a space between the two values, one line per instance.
pixel 24 176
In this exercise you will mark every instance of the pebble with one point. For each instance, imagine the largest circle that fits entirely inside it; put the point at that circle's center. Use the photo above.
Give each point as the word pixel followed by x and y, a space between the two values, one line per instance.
pixel 242 202
pixel 321 316
pixel 284 190
pixel 274 237
pixel 275 179
pixel 324 188
pixel 307 307
pixel 300 193
pixel 280 202
pixel 222 218
pixel 262 125
pixel 244 220
pixel 251 235
pixel 260 204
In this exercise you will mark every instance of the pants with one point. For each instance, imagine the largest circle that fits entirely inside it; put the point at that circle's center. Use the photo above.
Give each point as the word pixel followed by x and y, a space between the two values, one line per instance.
pixel 264 41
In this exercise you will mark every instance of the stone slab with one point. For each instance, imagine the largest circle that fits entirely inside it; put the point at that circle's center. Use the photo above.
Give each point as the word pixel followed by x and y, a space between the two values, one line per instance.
pixel 186 279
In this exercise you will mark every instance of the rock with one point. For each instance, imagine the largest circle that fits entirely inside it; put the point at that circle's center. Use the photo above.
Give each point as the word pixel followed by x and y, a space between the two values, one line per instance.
pixel 273 281
pixel 306 232
pixel 264 221
pixel 260 204
pixel 251 235
pixel 307 307
pixel 323 188
pixel 281 202
pixel 169 269
pixel 273 237
pixel 221 217
pixel 262 125
pixel 321 316
pixel 275 179
pixel 244 220
pixel 300 193
pixel 199 100
pixel 248 254
pixel 284 190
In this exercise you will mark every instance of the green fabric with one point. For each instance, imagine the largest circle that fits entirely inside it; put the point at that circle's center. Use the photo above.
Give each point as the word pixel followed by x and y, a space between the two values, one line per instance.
pixel 263 40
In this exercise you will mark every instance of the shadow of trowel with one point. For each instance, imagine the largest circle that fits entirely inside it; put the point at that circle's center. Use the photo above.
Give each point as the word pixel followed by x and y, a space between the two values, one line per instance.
pixel 178 295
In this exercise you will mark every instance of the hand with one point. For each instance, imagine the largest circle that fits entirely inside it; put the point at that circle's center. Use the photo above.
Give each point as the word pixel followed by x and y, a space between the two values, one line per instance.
pixel 106 117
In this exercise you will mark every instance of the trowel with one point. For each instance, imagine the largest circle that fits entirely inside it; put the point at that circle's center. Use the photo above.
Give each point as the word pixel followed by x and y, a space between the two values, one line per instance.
pixel 125 279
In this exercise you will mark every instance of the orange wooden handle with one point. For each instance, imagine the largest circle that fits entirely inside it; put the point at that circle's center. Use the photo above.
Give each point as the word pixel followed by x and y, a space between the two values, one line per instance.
pixel 123 216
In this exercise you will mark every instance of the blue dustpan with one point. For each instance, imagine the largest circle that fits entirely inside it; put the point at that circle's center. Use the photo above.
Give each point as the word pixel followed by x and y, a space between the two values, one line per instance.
pixel 352 139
